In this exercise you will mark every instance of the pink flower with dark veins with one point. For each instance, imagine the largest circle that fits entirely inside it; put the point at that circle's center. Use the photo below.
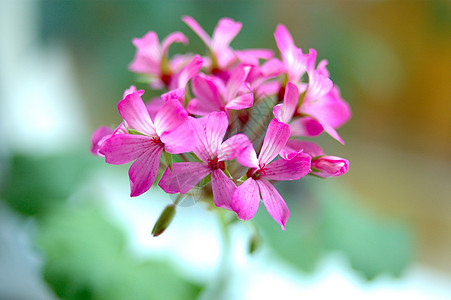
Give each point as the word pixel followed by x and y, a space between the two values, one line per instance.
pixel 213 152
pixel 145 139
pixel 226 30
pixel 246 197
pixel 151 57
pixel 211 94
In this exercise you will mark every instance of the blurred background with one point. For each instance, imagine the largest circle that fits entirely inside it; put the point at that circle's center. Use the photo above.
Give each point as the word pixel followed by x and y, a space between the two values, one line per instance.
pixel 68 228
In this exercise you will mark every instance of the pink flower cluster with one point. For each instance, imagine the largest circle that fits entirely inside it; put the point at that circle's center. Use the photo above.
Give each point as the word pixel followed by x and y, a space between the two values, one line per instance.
pixel 207 125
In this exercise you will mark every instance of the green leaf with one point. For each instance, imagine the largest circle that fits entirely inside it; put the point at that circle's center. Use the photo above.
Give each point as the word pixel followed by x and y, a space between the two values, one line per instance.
pixel 373 244
pixel 86 258
pixel 33 185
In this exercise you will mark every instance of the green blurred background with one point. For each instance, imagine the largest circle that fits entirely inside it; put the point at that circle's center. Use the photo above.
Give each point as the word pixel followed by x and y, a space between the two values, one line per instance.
pixel 63 68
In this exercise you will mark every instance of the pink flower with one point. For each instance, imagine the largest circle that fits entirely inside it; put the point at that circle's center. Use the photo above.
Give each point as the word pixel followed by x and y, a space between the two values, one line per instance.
pixel 226 30
pixel 212 95
pixel 246 197
pixel 322 101
pixel 213 152
pixel 146 139
pixel 151 57
pixel 322 165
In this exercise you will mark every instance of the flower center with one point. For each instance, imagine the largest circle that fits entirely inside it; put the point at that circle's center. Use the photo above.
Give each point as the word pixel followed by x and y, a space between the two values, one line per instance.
pixel 157 141
pixel 255 173
pixel 214 164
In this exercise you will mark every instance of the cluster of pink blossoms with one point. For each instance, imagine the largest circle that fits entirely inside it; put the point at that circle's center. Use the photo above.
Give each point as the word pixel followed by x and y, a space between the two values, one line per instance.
pixel 207 126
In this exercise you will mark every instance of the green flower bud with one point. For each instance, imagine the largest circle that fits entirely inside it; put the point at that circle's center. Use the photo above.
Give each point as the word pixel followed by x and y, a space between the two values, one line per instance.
pixel 164 220
pixel 254 243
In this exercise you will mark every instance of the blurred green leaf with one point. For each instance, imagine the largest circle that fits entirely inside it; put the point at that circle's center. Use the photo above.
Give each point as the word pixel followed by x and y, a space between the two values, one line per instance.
pixel 86 259
pixel 373 244
pixel 323 218
pixel 33 185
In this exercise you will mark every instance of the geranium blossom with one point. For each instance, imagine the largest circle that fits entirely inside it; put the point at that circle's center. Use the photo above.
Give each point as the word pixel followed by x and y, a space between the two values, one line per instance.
pixel 151 57
pixel 246 197
pixel 146 140
pixel 213 152
pixel 228 95
pixel 212 95
pixel 224 33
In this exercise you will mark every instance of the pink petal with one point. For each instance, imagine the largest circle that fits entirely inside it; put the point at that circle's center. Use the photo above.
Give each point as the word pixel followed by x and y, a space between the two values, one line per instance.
pixel 233 146
pixel 252 56
pixel 272 68
pixel 144 170
pixel 148 54
pixel 224 33
pixel 284 40
pixel 186 73
pixel 177 94
pixel 215 130
pixel 267 89
pixel 123 148
pixel 176 37
pixel 331 109
pixel 283 169
pixel 276 137
pixel 154 106
pixel 311 60
pixel 223 188
pixel 285 112
pixel 274 203
pixel 333 133
pixel 132 89
pixel 170 116
pixel 322 68
pixel 245 199
pixel 201 108
pixel 294 146
pixel 202 150
pixel 135 114
pixel 97 136
pixel 305 126
pixel 248 157
pixel 183 177
pixel 293 58
pixel 197 29
pixel 241 102
pixel 180 140
pixel 319 85
pixel 235 81
pixel 207 94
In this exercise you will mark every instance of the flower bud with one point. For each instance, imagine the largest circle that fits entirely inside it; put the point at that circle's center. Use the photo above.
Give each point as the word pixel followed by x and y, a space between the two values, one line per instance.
pixel 254 243
pixel 164 220
pixel 329 166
